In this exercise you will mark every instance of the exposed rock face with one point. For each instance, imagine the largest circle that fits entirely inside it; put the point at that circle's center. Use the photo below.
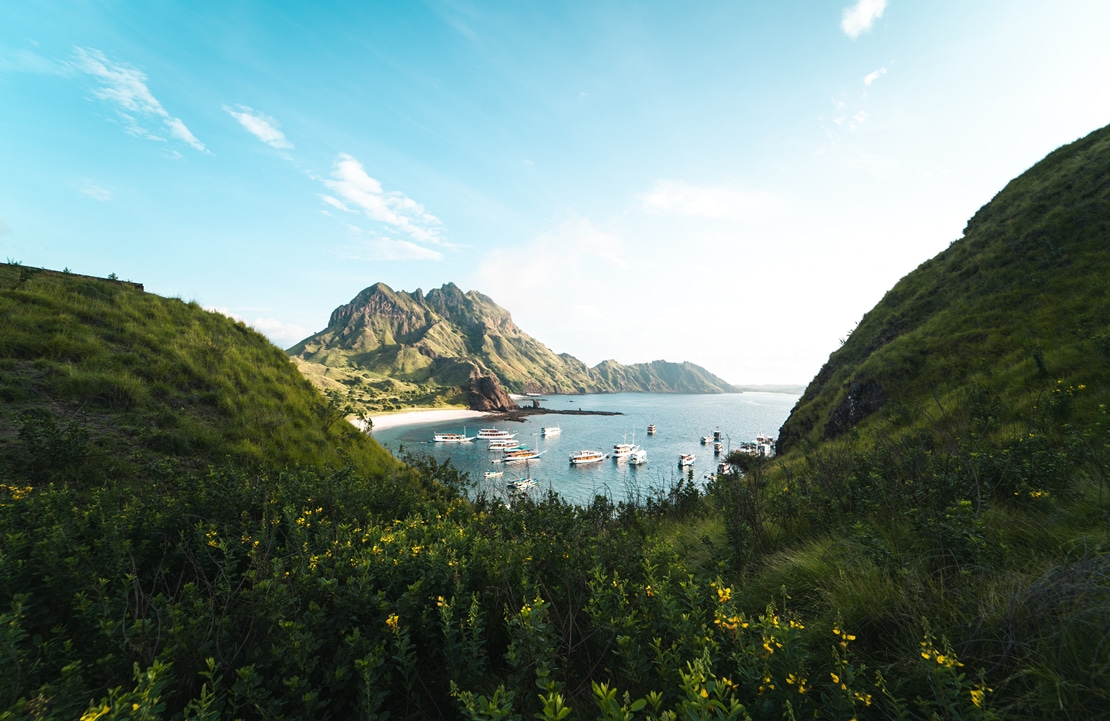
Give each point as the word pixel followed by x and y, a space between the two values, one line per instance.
pixel 439 337
pixel 862 400
pixel 486 394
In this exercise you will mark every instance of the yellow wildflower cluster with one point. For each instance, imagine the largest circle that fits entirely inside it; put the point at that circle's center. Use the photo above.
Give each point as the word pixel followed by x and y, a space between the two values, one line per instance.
pixel 394 621
pixel 979 693
pixel 844 636
pixel 16 492
pixel 929 652
pixel 798 681
pixel 648 590
pixel 724 595
pixel 732 622
pixel 211 538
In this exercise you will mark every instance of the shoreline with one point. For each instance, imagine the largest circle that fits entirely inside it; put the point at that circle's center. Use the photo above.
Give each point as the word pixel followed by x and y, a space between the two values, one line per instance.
pixel 418 416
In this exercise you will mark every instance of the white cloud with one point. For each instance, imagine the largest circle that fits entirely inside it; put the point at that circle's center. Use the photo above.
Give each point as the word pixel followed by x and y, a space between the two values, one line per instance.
pixel 97 192
pixel 335 203
pixel 263 127
pixel 125 87
pixel 379 247
pixel 394 209
pixel 859 18
pixel 872 77
pixel 716 202
pixel 281 333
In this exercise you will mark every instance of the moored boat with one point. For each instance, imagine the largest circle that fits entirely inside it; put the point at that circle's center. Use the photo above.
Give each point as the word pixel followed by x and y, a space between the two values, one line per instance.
pixel 488 433
pixel 493 474
pixel 706 440
pixel 685 459
pixel 651 429
pixel 638 457
pixel 548 431
pixel 520 484
pixel 582 457
pixel 504 444
pixel 451 438
pixel 518 455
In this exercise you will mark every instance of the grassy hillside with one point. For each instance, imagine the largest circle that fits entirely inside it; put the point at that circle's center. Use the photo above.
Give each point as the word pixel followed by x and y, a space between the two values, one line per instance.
pixel 99 372
pixel 948 467
pixel 1016 309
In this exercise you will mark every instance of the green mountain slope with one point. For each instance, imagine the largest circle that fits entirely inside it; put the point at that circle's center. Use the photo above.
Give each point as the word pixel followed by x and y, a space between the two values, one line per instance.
pixel 98 373
pixel 1019 303
pixel 396 347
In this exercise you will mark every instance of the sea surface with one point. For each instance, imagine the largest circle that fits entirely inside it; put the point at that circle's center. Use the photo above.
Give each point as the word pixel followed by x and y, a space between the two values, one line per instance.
pixel 680 420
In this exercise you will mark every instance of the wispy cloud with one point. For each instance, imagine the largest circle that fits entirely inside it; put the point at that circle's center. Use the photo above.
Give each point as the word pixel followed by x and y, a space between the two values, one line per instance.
pixel 261 126
pixel 395 210
pixel 281 333
pixel 380 247
pixel 872 77
pixel 858 19
pixel 97 192
pixel 669 197
pixel 125 87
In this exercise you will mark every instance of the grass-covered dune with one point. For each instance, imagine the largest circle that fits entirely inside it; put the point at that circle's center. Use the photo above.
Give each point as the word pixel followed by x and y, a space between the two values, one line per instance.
pixel 96 375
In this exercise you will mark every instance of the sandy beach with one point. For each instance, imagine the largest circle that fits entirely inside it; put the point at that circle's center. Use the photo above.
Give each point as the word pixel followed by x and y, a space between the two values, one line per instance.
pixel 409 418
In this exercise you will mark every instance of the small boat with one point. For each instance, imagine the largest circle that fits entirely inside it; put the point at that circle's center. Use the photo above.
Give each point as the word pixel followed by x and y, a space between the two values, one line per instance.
pixel 494 474
pixel 487 433
pixel 521 484
pixel 717 446
pixel 503 444
pixel 717 435
pixel 451 438
pixel 638 457
pixel 706 440
pixel 518 455
pixel 723 468
pixel 548 431
pixel 582 457
pixel 685 459
pixel 651 429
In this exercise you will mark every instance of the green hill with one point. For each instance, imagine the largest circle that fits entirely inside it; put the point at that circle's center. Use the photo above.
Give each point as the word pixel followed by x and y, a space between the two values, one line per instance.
pixel 1015 310
pixel 386 349
pixel 97 373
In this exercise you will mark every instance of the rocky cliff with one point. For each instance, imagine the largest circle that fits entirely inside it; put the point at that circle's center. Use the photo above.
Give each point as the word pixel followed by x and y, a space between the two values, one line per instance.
pixel 446 338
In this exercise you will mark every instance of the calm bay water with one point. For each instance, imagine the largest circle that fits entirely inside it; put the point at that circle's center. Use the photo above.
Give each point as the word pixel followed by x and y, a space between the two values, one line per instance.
pixel 681 421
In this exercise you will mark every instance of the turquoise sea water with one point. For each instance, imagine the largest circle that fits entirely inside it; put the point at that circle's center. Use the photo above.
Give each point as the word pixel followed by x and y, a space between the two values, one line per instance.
pixel 681 421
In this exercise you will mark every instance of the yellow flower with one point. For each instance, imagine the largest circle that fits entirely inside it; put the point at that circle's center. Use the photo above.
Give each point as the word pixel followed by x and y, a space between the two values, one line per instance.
pixel 704 693
pixel 835 678
pixel 394 621
pixel 977 697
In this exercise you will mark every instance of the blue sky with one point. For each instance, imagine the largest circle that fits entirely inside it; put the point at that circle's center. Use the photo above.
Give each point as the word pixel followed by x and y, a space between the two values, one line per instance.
pixel 729 183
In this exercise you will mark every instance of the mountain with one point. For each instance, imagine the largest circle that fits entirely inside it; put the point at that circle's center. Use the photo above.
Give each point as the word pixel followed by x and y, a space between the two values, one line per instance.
pixel 1011 319
pixel 100 376
pixel 389 346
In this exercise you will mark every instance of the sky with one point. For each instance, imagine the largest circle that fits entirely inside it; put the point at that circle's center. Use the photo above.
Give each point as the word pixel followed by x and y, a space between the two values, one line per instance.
pixel 729 183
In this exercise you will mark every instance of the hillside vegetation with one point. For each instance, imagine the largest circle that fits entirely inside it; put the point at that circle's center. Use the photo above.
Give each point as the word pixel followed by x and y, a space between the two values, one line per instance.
pixel 98 374
pixel 387 349
pixel 932 543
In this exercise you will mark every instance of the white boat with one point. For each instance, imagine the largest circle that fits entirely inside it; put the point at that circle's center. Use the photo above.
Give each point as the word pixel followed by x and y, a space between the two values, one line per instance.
pixel 551 431
pixel 503 444
pixel 685 459
pixel 487 433
pixel 451 438
pixel 521 484
pixel 624 449
pixel 519 455
pixel 582 457
pixel 494 474
pixel 717 446
pixel 638 457
pixel 706 440
pixel 651 429
pixel 723 468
